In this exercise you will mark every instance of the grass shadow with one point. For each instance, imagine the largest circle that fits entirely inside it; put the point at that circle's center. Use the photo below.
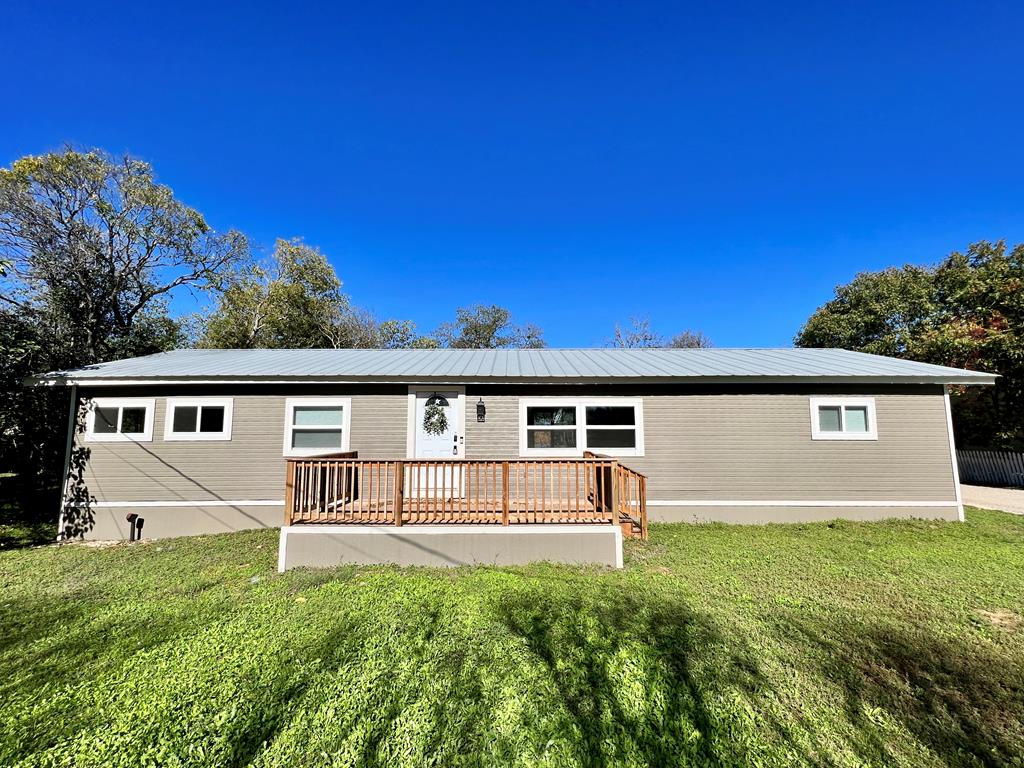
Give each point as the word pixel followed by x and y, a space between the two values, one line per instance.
pixel 963 700
pixel 25 519
pixel 686 662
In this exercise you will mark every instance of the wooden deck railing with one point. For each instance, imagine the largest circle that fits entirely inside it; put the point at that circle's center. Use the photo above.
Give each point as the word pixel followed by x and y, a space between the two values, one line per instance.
pixel 345 489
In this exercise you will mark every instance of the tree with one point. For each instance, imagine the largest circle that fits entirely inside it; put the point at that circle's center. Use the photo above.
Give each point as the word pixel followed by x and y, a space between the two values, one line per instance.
pixel 689 340
pixel 295 302
pixel 92 248
pixel 487 327
pixel 967 312
pixel 94 244
pixel 878 312
pixel 640 335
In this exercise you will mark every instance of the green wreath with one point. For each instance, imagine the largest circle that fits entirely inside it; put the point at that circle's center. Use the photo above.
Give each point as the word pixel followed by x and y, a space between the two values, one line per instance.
pixel 435 420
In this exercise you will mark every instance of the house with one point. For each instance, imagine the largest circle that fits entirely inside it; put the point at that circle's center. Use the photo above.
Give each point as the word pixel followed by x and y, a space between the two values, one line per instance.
pixel 455 456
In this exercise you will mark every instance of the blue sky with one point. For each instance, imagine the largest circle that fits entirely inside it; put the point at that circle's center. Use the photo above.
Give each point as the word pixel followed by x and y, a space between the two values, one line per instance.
pixel 715 166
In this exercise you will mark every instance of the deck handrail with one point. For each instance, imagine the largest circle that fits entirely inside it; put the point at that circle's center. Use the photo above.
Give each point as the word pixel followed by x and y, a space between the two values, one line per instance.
pixel 346 489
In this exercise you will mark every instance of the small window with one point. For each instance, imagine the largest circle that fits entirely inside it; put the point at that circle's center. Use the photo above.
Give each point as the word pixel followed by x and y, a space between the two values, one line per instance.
pixel 111 420
pixel 570 426
pixel 198 418
pixel 846 418
pixel 316 425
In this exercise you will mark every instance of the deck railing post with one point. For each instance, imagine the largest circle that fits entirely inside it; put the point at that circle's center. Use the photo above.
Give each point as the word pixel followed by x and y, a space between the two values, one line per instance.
pixel 615 492
pixel 504 493
pixel 289 490
pixel 399 491
pixel 643 508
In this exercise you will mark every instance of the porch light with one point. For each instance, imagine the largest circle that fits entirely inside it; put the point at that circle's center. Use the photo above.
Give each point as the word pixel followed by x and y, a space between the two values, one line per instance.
pixel 481 410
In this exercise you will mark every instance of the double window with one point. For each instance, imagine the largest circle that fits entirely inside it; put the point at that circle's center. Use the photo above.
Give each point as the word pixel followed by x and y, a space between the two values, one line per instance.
pixel 558 426
pixel 843 418
pixel 316 425
pixel 120 419
pixel 198 418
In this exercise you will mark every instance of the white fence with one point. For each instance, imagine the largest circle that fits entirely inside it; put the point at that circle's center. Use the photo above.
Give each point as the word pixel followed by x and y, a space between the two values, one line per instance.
pixel 991 467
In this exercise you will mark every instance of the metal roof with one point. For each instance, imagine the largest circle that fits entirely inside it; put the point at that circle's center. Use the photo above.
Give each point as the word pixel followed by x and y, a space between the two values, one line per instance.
pixel 486 365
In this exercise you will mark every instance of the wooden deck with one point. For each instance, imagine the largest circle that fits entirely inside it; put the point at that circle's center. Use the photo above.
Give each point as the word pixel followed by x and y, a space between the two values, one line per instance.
pixel 343 489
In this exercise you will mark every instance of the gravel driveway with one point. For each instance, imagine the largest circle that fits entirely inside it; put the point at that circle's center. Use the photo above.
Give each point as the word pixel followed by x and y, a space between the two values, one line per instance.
pixel 1006 499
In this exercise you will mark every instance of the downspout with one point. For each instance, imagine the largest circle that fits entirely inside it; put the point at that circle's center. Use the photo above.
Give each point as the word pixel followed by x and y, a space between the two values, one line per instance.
pixel 72 413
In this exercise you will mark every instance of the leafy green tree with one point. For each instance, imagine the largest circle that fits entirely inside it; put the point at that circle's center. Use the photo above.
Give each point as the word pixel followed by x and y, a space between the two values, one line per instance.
pixel 883 313
pixel 401 334
pixel 487 327
pixel 95 244
pixel 968 312
pixel 295 302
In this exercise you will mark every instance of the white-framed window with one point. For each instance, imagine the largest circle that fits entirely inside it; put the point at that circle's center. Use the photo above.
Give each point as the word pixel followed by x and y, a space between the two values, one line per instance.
pixel 316 425
pixel 120 419
pixel 843 418
pixel 198 418
pixel 568 426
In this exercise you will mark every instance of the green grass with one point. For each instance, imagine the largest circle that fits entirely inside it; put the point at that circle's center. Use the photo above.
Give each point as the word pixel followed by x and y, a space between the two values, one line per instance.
pixel 21 525
pixel 831 644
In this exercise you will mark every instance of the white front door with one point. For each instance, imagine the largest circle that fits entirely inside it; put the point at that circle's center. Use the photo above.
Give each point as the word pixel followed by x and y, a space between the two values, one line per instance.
pixel 449 443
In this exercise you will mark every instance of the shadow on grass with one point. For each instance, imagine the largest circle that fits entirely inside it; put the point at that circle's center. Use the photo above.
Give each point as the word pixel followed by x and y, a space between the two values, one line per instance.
pixel 964 701
pixel 588 645
pixel 25 515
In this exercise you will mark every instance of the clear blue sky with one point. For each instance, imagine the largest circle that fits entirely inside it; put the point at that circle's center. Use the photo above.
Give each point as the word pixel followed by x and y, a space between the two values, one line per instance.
pixel 719 166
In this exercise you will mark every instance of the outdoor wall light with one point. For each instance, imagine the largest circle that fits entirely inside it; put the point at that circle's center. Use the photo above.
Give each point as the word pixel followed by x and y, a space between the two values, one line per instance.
pixel 481 410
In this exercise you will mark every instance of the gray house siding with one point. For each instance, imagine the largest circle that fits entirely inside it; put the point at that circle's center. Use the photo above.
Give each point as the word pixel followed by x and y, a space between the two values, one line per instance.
pixel 757 447
pixel 742 444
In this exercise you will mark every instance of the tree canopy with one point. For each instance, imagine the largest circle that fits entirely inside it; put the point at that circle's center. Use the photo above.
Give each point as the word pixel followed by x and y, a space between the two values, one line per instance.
pixel 967 311
pixel 95 245
pixel 487 327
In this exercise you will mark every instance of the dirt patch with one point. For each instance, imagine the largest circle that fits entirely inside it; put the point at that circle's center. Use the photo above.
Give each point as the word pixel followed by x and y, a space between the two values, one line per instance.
pixel 1002 618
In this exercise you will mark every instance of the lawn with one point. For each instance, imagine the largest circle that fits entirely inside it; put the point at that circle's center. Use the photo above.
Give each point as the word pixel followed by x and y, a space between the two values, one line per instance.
pixel 831 644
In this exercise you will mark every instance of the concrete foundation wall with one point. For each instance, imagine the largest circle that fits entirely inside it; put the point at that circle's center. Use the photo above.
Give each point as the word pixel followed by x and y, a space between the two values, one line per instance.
pixel 310 546
pixel 164 522
pixel 794 513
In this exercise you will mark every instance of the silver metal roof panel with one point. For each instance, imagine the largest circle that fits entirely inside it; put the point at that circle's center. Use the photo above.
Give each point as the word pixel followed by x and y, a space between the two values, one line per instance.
pixel 411 365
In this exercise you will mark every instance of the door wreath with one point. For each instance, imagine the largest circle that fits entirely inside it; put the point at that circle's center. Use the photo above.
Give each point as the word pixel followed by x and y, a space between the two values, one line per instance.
pixel 435 419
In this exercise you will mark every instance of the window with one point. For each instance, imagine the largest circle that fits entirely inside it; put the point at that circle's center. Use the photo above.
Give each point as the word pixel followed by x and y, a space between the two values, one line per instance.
pixel 198 418
pixel 843 418
pixel 113 420
pixel 316 425
pixel 556 426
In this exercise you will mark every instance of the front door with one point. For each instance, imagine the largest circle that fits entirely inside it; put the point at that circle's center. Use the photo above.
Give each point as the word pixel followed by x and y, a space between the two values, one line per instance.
pixel 438 419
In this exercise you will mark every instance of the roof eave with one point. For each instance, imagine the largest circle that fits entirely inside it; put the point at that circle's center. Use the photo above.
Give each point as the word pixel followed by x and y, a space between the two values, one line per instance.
pixel 977 379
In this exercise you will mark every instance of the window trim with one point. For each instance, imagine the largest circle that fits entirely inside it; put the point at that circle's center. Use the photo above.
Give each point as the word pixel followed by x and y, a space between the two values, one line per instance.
pixel 580 404
pixel 843 403
pixel 289 417
pixel 175 402
pixel 91 436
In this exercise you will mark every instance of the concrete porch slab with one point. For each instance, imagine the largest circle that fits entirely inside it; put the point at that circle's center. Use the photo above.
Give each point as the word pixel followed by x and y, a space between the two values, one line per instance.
pixel 323 546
